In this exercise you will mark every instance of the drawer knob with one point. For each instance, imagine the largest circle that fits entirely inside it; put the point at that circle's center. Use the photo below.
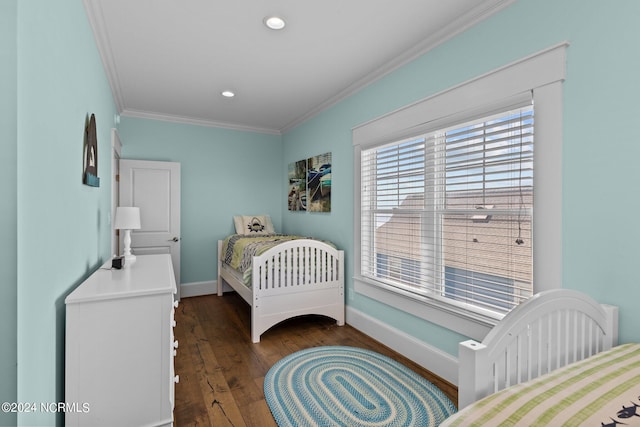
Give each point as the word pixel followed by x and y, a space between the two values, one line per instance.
pixel 176 303
pixel 176 379
pixel 175 344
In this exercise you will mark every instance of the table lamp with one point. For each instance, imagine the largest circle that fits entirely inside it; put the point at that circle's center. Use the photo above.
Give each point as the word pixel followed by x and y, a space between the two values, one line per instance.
pixel 127 219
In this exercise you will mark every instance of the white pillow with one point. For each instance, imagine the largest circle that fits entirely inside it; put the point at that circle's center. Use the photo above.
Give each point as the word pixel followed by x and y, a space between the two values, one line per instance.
pixel 253 224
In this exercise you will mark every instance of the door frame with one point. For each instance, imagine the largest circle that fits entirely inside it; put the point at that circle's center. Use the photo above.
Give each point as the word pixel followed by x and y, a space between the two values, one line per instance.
pixel 142 238
pixel 116 153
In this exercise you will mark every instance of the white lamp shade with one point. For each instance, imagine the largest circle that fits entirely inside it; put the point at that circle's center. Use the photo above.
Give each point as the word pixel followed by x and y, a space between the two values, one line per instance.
pixel 127 218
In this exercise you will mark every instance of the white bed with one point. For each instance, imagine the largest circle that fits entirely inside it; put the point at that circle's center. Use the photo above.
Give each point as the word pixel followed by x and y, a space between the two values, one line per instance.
pixel 550 330
pixel 294 278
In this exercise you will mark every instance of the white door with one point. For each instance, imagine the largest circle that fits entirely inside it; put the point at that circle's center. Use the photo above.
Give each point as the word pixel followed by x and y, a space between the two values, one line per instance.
pixel 154 187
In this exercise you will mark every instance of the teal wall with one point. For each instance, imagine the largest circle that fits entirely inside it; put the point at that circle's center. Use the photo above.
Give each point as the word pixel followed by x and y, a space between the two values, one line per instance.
pixel 600 226
pixel 56 231
pixel 223 173
pixel 63 226
pixel 8 210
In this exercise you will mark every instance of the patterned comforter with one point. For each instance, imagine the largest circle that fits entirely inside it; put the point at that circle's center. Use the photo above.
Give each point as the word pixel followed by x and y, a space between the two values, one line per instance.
pixel 239 250
pixel 603 390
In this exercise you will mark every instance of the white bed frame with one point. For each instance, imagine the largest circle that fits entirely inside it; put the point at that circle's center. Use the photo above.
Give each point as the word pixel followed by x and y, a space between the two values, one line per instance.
pixel 314 284
pixel 548 331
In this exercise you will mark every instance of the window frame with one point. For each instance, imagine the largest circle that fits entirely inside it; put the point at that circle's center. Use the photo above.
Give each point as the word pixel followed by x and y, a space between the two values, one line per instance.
pixel 539 76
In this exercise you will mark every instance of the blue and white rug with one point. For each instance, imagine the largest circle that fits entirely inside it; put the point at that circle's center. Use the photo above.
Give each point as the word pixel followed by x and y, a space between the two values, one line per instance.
pixel 348 386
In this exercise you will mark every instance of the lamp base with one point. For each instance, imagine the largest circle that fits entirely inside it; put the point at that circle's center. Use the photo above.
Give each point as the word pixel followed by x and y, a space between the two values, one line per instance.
pixel 129 259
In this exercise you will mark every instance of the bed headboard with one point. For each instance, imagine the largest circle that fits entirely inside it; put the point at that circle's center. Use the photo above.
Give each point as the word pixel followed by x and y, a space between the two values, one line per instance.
pixel 549 330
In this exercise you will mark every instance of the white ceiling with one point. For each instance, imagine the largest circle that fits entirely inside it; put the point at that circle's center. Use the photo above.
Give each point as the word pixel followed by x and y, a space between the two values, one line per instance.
pixel 170 59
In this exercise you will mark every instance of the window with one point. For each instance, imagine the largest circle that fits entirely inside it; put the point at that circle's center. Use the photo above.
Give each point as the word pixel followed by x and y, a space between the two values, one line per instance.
pixel 448 214
pixel 445 201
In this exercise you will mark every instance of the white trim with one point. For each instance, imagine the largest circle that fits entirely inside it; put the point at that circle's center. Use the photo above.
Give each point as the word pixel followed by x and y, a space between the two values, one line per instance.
pixel 541 74
pixel 196 289
pixel 116 154
pixel 431 358
pixel 95 16
pixel 473 327
pixel 116 144
pixel 547 196
pixel 497 86
pixel 196 122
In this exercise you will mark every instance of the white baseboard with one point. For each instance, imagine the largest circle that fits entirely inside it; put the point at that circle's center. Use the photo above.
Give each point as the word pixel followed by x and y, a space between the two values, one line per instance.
pixel 431 358
pixel 195 289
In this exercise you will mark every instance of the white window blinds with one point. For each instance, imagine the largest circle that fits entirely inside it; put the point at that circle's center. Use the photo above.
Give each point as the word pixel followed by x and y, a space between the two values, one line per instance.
pixel 448 215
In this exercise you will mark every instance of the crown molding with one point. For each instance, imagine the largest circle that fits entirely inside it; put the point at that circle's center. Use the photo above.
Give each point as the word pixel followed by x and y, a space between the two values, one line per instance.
pixel 95 16
pixel 96 20
pixel 455 27
pixel 197 122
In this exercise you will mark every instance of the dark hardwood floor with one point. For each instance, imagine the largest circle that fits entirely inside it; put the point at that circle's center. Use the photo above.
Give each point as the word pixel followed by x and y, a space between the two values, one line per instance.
pixel 222 371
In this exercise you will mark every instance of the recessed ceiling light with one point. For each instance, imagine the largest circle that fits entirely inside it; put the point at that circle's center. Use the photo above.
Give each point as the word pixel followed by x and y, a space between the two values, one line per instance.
pixel 228 94
pixel 274 22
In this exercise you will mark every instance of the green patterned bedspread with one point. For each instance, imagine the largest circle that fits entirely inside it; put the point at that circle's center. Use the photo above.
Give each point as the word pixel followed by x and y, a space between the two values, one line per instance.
pixel 239 250
pixel 602 390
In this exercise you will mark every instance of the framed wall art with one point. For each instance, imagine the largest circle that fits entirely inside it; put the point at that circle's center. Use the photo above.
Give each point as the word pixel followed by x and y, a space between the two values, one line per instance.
pixel 90 153
pixel 310 184
pixel 297 193
pixel 319 183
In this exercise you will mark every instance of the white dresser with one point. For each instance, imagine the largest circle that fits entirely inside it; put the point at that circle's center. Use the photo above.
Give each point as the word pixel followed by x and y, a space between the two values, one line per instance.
pixel 120 347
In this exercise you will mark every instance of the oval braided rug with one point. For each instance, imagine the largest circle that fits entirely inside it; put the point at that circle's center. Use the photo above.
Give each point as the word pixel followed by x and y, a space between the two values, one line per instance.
pixel 348 386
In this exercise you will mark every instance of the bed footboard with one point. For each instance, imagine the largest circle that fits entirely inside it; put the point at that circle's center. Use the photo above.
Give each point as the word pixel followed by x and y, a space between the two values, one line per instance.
pixel 550 330
pixel 295 278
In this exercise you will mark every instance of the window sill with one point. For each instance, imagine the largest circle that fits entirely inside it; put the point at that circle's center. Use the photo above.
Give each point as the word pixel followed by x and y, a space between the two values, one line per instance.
pixel 466 323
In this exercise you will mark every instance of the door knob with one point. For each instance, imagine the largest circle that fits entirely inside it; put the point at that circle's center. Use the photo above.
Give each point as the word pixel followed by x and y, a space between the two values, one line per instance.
pixel 175 239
